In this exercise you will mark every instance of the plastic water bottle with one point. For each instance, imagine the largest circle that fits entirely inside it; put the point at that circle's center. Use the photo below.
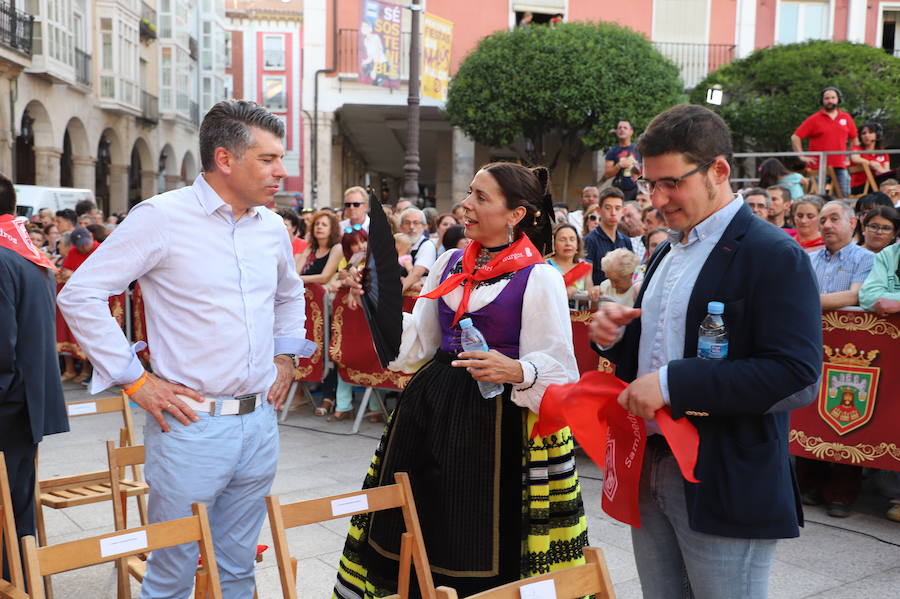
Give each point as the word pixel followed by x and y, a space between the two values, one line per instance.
pixel 712 341
pixel 472 340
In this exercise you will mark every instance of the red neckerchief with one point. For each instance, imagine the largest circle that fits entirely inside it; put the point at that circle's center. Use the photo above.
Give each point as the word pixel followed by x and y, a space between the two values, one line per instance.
pixel 14 237
pixel 520 254
pixel 578 271
pixel 613 437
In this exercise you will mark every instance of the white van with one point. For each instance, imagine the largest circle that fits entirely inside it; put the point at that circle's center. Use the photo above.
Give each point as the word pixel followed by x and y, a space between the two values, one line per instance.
pixel 31 199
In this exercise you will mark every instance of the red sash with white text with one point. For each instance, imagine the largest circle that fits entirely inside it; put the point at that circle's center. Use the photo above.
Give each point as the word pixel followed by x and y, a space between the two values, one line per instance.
pixel 14 236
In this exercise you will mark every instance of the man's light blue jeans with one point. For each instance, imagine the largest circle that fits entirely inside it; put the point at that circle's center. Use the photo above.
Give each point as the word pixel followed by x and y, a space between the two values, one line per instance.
pixel 226 462
pixel 675 562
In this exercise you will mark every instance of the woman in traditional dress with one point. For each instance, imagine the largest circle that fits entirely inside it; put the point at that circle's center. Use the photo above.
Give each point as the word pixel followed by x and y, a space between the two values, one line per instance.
pixel 494 505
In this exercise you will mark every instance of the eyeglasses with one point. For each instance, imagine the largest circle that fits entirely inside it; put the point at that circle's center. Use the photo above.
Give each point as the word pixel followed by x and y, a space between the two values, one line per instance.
pixel 880 228
pixel 349 230
pixel 668 184
pixel 410 223
pixel 593 217
pixel 353 204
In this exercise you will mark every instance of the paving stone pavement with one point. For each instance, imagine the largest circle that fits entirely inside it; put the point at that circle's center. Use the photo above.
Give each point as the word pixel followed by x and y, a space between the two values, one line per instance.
pixel 854 558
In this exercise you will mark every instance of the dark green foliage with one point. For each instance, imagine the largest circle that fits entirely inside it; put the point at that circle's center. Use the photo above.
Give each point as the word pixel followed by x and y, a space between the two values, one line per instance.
pixel 769 93
pixel 571 83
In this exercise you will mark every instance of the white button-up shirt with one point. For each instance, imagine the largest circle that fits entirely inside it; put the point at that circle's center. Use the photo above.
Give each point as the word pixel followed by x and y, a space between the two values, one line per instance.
pixel 221 297
pixel 665 302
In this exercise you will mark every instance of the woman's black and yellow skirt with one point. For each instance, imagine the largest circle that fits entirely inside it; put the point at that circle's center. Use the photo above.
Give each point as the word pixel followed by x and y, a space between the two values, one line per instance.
pixel 494 505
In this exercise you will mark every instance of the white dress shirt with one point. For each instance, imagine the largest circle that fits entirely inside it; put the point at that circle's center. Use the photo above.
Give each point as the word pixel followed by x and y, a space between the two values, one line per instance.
pixel 545 339
pixel 346 223
pixel 665 302
pixel 221 297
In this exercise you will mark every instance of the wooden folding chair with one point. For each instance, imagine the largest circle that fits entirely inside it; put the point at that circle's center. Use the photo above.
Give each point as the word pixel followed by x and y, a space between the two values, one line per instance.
pixel 301 513
pixel 62 492
pixel 53 559
pixel 591 578
pixel 14 588
pixel 871 185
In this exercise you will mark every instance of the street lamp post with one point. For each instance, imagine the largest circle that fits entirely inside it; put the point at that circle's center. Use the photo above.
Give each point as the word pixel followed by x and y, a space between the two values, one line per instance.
pixel 411 163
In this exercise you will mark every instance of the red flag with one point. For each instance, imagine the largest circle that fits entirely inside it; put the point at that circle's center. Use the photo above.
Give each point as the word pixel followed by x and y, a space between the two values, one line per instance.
pixel 613 437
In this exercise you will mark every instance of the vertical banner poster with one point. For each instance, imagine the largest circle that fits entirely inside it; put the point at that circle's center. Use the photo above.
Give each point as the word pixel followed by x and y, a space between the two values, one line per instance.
pixel 379 44
pixel 437 42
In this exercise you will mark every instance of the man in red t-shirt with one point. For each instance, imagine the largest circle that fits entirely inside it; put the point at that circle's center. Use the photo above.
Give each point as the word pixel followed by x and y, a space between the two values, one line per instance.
pixel 830 129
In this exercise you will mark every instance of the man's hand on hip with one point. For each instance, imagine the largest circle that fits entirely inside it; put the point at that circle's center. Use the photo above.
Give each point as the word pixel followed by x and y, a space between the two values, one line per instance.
pixel 643 397
pixel 158 396
pixel 278 391
pixel 606 322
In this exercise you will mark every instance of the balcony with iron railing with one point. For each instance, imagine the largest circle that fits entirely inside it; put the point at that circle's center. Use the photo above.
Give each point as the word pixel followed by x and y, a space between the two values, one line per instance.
pixel 16 29
pixel 83 73
pixel 149 108
pixel 696 61
pixel 148 22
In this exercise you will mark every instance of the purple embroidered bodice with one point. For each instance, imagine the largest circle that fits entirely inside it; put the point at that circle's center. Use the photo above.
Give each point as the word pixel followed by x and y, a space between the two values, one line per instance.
pixel 500 321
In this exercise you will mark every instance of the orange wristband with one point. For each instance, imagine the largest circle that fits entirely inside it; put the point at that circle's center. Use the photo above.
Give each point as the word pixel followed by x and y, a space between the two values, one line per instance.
pixel 136 385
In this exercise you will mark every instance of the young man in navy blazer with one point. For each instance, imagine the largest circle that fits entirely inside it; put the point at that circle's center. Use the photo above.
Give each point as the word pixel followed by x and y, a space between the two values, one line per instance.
pixel 715 538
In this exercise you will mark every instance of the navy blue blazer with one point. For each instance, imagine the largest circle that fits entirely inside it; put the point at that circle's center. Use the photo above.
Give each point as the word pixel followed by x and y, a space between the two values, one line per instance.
pixel 747 487
pixel 29 366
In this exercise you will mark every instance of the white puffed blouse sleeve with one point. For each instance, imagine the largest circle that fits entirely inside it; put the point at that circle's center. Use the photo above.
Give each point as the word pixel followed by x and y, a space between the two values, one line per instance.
pixel 545 344
pixel 422 329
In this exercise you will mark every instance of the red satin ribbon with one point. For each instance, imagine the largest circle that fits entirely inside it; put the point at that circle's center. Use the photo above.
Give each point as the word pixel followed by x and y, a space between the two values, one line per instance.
pixel 578 271
pixel 613 437
pixel 14 236
pixel 520 254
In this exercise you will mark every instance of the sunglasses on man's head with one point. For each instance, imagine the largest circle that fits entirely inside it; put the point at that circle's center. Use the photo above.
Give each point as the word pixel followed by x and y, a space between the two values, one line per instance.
pixel 349 230
pixel 353 204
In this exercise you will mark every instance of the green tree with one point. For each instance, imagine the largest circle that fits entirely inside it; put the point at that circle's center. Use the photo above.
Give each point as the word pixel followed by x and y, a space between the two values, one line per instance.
pixel 769 93
pixel 552 93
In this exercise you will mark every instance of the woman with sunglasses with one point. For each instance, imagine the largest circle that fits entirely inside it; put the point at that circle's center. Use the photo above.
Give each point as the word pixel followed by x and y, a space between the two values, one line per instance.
pixel 591 219
pixel 319 262
pixel 484 523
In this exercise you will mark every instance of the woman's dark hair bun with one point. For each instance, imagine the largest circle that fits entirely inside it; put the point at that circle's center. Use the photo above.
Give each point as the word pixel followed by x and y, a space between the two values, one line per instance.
pixel 543 176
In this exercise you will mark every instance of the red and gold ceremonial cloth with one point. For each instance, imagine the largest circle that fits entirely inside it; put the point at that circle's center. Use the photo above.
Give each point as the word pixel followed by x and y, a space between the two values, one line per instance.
pixel 854 419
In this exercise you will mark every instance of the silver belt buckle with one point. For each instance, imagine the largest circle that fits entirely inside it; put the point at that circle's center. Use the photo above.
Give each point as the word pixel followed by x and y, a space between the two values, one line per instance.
pixel 246 403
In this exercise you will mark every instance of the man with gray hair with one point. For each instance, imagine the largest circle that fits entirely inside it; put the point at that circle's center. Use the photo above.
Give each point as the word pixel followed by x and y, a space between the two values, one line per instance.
pixel 356 209
pixel 759 201
pixel 225 321
pixel 422 249
pixel 841 266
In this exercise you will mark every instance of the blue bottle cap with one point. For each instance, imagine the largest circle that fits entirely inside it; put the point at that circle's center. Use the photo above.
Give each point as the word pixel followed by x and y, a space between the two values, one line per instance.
pixel 715 308
pixel 465 323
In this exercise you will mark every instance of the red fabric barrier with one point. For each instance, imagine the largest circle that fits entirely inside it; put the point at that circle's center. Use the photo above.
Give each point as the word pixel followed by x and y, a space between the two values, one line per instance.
pixel 353 350
pixel 312 369
pixel 856 414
